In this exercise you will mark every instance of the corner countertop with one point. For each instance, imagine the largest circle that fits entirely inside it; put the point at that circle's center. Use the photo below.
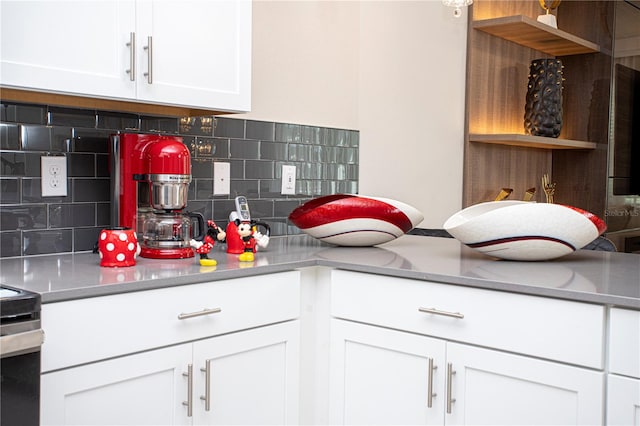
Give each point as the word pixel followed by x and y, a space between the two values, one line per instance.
pixel 584 276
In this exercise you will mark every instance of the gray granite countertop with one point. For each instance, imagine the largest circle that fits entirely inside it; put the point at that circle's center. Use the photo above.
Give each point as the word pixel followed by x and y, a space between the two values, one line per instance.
pixel 587 276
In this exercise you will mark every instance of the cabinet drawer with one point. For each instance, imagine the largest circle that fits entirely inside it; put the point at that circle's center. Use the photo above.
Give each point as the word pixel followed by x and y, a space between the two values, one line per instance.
pixel 624 342
pixel 87 330
pixel 549 328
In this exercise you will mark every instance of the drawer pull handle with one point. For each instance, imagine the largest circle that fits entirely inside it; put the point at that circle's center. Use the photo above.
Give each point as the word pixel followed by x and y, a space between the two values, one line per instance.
pixel 189 401
pixel 132 56
pixel 430 394
pixel 149 49
pixel 450 373
pixel 443 313
pixel 201 313
pixel 207 385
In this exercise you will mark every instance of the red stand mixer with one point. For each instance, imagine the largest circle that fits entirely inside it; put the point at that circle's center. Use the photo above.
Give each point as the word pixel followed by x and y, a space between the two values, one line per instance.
pixel 150 182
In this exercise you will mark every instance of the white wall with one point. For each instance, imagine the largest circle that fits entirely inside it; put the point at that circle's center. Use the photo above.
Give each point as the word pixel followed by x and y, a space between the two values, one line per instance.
pixel 395 70
pixel 305 62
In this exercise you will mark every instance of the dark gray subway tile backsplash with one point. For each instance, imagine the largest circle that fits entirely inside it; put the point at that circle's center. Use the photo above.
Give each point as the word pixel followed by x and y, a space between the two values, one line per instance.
pixel 326 161
pixel 71 117
pixel 230 128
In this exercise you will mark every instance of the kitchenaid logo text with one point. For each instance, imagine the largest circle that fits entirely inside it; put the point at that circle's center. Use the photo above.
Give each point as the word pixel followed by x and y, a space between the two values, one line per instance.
pixel 170 178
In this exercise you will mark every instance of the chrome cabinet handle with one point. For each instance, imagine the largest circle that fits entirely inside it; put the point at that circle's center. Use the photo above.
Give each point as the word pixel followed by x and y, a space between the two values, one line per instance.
pixel 132 56
pixel 201 313
pixel 450 400
pixel 430 394
pixel 443 313
pixel 207 385
pixel 149 49
pixel 189 401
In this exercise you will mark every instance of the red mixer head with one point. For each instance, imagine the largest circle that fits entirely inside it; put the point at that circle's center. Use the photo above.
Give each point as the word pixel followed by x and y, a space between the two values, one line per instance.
pixel 167 156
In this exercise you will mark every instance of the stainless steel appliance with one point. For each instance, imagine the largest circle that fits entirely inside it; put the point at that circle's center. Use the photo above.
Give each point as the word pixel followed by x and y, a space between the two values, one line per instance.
pixel 20 341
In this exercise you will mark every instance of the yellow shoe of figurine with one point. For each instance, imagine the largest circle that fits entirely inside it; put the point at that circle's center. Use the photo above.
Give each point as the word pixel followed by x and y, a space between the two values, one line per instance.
pixel 208 262
pixel 247 256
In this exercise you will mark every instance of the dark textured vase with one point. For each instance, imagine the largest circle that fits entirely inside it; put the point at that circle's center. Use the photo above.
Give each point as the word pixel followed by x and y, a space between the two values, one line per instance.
pixel 543 106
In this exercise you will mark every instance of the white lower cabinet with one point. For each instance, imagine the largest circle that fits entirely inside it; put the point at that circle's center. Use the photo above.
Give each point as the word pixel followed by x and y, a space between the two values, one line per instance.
pixel 623 382
pixel 496 388
pixel 222 352
pixel 623 401
pixel 248 377
pixel 383 376
pixel 418 352
pixel 383 350
pixel 144 389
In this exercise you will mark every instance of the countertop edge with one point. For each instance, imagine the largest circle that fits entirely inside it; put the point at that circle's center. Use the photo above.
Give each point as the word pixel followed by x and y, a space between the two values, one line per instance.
pixel 159 283
pixel 61 278
pixel 571 295
pixel 554 293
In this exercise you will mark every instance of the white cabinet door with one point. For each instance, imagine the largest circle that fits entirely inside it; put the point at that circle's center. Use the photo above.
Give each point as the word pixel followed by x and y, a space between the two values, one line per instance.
pixel 141 389
pixel 623 396
pixel 77 47
pixel 192 53
pixel 495 388
pixel 252 377
pixel 200 53
pixel 381 376
pixel 624 342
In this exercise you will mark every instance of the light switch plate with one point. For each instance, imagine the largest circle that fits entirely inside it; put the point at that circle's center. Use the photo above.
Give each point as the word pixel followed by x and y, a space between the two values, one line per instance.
pixel 54 176
pixel 221 178
pixel 288 180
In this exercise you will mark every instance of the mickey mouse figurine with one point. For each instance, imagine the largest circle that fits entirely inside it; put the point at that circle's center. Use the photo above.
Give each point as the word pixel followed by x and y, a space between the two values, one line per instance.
pixel 244 239
pixel 245 231
pixel 204 247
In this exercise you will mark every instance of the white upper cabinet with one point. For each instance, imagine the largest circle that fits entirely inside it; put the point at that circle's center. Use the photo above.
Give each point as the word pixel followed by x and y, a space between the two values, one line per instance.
pixel 200 52
pixel 181 53
pixel 69 47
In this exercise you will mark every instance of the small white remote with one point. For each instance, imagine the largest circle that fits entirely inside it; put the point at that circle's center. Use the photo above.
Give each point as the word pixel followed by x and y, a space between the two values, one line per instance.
pixel 242 208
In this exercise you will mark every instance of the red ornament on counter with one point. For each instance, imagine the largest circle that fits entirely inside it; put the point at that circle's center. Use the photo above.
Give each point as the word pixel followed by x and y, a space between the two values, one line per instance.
pixel 355 220
pixel 118 247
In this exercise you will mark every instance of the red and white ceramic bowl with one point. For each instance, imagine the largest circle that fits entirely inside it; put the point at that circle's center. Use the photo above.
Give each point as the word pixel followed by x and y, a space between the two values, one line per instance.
pixel 519 230
pixel 355 220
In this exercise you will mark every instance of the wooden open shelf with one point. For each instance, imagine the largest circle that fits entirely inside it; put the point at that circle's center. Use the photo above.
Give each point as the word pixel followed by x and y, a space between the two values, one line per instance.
pixel 531 141
pixel 503 38
pixel 528 32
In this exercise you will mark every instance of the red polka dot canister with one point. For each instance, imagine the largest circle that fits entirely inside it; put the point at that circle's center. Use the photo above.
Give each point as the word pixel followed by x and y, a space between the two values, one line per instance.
pixel 118 247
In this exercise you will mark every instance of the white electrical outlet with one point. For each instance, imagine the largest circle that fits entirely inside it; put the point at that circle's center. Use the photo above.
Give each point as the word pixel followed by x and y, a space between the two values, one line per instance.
pixel 54 176
pixel 288 180
pixel 221 178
